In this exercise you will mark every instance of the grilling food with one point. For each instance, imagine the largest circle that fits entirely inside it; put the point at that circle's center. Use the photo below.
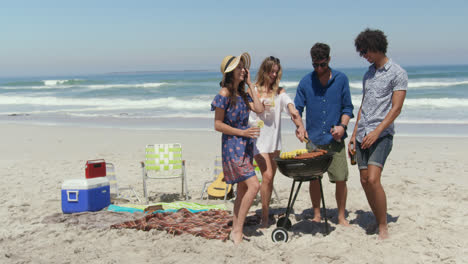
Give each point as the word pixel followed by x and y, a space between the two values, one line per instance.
pixel 292 154
pixel 311 155
pixel 302 154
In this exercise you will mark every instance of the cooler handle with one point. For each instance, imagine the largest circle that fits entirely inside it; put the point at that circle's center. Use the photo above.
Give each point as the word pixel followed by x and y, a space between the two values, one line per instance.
pixel 72 199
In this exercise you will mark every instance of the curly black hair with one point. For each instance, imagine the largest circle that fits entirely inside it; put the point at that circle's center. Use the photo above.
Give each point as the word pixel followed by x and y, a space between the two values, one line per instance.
pixel 371 40
pixel 320 51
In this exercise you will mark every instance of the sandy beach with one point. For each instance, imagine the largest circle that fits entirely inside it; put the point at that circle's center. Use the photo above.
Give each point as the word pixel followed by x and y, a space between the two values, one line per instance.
pixel 425 179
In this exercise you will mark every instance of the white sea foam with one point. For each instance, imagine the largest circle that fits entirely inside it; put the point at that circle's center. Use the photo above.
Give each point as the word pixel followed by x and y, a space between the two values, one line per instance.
pixel 108 104
pixel 289 84
pixel 355 85
pixel 209 115
pixel 420 84
pixel 194 103
pixel 65 84
pixel 437 103
pixel 137 85
pixel 55 82
pixel 431 121
pixel 425 103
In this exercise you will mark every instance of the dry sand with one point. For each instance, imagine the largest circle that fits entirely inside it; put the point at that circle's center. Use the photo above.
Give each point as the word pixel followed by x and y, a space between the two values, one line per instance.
pixel 426 181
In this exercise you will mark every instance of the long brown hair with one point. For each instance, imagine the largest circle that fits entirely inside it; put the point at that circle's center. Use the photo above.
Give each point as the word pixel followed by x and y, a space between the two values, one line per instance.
pixel 228 82
pixel 262 76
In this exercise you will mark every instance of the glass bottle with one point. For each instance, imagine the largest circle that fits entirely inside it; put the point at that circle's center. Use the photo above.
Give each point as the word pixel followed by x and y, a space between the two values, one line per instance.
pixel 352 156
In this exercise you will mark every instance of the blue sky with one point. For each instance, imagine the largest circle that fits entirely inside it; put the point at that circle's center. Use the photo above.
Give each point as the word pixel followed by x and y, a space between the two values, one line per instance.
pixel 80 37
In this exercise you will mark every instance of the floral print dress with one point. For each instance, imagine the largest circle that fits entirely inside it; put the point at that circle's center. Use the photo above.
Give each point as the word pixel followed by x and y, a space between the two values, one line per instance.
pixel 237 151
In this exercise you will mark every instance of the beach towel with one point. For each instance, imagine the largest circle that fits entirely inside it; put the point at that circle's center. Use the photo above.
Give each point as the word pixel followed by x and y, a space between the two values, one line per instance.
pixel 212 224
pixel 166 207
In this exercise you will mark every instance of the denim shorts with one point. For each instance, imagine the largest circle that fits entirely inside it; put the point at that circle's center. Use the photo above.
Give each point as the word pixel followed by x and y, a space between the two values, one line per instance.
pixel 375 155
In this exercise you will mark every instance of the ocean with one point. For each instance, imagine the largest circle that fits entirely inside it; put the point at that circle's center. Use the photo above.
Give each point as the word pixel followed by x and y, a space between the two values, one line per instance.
pixel 436 102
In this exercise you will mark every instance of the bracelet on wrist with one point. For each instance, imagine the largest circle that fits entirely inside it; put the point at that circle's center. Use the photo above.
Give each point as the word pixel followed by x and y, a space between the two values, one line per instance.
pixel 344 126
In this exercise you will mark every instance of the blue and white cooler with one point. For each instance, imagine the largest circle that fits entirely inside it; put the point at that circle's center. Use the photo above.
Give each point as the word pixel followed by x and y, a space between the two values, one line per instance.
pixel 80 195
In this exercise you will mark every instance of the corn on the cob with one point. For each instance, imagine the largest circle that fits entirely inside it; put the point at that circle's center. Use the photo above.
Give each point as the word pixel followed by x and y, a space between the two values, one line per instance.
pixel 292 154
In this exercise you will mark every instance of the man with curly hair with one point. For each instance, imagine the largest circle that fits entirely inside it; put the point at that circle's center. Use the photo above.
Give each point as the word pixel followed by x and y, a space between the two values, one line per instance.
pixel 384 90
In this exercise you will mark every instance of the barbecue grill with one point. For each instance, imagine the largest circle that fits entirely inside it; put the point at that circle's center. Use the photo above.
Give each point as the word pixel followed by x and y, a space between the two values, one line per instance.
pixel 300 170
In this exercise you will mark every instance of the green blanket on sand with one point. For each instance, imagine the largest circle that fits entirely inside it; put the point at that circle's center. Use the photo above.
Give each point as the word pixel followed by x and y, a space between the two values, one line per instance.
pixel 167 207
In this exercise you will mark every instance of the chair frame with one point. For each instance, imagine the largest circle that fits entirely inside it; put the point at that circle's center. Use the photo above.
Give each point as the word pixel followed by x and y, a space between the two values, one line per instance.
pixel 118 188
pixel 147 177
pixel 215 174
pixel 257 172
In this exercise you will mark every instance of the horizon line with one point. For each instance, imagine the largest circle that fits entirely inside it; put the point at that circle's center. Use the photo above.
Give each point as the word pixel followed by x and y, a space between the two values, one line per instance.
pixel 202 70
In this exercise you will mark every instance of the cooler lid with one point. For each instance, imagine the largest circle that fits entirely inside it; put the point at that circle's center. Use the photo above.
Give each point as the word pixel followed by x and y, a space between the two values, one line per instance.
pixel 85 184
pixel 95 161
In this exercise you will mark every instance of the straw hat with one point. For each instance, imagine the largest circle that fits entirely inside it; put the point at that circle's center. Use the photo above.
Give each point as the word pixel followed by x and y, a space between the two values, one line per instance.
pixel 229 63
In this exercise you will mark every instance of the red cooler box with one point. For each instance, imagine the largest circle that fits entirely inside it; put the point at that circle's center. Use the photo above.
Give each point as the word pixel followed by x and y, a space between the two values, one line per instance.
pixel 95 168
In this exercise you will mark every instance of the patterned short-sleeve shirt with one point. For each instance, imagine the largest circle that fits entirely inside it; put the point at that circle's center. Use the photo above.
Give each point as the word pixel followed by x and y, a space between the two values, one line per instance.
pixel 378 87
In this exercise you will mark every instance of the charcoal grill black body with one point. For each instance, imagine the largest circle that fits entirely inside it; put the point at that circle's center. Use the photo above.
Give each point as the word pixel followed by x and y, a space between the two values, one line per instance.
pixel 300 170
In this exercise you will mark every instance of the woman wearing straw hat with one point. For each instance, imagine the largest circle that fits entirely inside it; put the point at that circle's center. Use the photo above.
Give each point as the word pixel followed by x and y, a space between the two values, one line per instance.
pixel 268 144
pixel 232 107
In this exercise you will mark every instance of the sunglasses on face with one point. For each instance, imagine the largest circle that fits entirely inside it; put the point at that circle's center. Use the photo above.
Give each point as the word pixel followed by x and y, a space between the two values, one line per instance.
pixel 323 64
pixel 363 52
pixel 274 59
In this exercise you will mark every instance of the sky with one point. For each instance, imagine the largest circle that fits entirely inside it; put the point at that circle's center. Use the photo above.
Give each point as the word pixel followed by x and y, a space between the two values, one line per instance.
pixel 56 38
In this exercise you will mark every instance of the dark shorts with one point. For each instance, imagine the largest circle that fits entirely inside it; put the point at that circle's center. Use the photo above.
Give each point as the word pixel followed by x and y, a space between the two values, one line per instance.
pixel 375 155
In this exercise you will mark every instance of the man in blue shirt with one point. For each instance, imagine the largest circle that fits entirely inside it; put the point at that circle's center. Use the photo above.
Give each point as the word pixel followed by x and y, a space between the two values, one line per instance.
pixel 325 95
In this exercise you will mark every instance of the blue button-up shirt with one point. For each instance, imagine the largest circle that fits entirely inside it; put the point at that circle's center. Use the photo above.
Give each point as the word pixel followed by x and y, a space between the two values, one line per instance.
pixel 324 104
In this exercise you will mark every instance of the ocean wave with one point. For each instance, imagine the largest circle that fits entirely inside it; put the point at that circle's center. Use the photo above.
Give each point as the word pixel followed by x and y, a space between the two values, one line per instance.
pixel 64 84
pixel 23 84
pixel 423 103
pixel 108 104
pixel 137 85
pixel 198 102
pixel 208 115
pixel 51 83
pixel 289 84
pixel 419 84
pixel 431 121
pixel 177 116
pixel 436 103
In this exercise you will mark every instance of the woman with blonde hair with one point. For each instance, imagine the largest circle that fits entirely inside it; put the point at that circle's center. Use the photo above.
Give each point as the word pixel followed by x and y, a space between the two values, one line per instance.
pixel 268 144
pixel 232 106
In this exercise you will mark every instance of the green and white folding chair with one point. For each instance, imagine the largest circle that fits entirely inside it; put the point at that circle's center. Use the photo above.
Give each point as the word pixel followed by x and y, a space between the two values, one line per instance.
pixel 164 161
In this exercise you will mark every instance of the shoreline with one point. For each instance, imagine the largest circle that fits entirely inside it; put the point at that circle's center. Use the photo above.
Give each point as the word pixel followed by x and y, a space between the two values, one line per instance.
pixel 403 129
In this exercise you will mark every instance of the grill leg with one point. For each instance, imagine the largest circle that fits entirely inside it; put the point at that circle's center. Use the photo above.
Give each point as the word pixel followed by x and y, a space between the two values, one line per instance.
pixel 323 205
pixel 291 203
pixel 291 194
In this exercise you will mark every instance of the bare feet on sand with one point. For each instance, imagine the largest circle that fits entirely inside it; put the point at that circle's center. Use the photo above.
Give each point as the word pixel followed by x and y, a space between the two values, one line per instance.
pixel 383 232
pixel 317 218
pixel 343 222
pixel 236 238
